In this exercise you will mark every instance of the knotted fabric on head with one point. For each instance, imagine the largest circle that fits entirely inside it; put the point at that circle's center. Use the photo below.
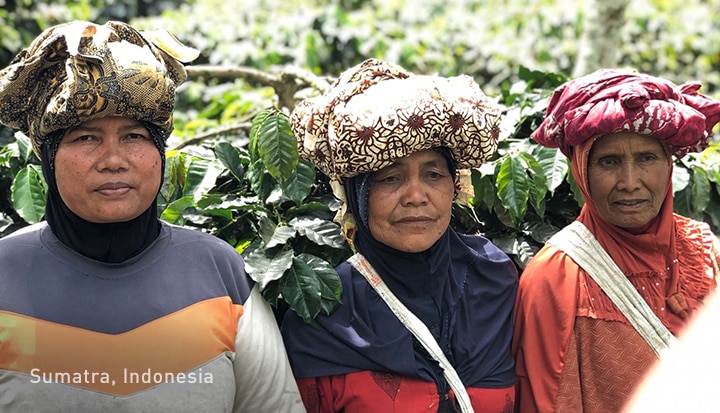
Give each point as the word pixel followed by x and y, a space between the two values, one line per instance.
pixel 613 100
pixel 376 113
pixel 80 71
pixel 584 110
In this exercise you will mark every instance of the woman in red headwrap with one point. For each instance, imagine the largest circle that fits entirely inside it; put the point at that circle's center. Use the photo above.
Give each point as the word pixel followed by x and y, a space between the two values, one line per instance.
pixel 605 296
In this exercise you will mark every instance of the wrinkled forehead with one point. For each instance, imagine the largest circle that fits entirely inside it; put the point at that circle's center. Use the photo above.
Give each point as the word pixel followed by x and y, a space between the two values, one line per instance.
pixel 627 143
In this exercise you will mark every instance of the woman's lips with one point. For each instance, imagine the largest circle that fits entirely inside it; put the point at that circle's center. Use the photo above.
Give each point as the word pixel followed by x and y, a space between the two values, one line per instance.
pixel 414 220
pixel 113 189
pixel 630 203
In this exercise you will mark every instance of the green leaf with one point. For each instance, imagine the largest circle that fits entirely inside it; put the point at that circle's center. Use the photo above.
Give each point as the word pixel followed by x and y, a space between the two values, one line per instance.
pixel 273 291
pixel 329 280
pixel 525 252
pixel 24 146
pixel 680 178
pixel 260 181
pixel 312 209
pixel 700 190
pixel 537 198
pixel 538 183
pixel 225 206
pixel 175 175
pixel 320 231
pixel 277 146
pixel 264 265
pixel 709 159
pixel 299 184
pixel 714 214
pixel 201 176
pixel 281 235
pixel 554 163
pixel 681 204
pixel 539 231
pixel 218 212
pixel 266 228
pixel 6 153
pixel 302 290
pixel 540 79
pixel 485 191
pixel 173 212
pixel 513 187
pixel 230 157
pixel 257 122
pixel 28 194
pixel 310 282
pixel 507 243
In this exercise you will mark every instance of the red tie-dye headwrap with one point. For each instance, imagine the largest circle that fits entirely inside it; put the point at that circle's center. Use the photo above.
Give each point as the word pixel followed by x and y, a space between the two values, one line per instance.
pixel 612 100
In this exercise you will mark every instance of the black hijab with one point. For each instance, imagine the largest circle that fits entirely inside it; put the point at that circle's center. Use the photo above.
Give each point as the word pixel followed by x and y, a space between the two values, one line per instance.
pixel 107 242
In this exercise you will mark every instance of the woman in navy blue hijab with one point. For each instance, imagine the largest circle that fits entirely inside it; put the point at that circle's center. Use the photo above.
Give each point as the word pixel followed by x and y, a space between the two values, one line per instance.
pixel 396 146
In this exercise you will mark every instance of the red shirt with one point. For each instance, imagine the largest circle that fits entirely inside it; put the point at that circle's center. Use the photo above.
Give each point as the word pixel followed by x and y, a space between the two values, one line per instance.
pixel 369 391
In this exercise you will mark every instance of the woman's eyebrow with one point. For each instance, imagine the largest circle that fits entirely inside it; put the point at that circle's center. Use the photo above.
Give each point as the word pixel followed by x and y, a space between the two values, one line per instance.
pixel 132 127
pixel 84 128
pixel 433 162
pixel 124 128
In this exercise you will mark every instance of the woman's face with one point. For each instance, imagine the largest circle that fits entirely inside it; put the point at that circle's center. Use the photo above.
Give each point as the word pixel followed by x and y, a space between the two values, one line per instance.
pixel 108 170
pixel 627 177
pixel 410 201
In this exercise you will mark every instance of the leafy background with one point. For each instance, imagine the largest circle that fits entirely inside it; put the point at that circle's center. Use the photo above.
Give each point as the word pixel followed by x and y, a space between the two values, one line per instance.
pixel 232 165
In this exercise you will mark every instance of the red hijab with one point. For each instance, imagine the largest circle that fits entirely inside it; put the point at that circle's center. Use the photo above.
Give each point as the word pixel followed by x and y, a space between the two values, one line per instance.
pixel 609 101
pixel 649 249
pixel 653 248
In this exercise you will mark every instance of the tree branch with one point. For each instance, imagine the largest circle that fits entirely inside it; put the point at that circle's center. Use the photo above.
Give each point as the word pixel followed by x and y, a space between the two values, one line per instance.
pixel 233 127
pixel 286 84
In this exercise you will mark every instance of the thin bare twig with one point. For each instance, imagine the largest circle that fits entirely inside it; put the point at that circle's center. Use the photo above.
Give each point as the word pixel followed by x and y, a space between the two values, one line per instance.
pixel 286 84
pixel 212 133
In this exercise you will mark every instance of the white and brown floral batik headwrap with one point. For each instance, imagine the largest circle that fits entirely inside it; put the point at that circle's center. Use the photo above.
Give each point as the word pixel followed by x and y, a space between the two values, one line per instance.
pixel 376 113
pixel 80 71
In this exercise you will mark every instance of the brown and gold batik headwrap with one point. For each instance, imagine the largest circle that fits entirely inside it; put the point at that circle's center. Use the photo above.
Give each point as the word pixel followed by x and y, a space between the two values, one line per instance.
pixel 79 71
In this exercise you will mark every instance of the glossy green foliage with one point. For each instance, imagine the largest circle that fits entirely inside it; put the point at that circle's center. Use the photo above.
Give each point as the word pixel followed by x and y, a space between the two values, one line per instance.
pixel 247 185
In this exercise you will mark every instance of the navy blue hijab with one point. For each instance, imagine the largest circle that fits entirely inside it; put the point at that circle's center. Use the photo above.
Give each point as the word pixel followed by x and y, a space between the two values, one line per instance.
pixel 462 288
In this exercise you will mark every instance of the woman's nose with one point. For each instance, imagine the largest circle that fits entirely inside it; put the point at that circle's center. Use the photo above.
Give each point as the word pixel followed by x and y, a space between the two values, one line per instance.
pixel 111 157
pixel 414 192
pixel 629 178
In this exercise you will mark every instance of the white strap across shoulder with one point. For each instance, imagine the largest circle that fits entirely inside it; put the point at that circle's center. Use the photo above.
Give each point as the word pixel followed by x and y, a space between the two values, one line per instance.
pixel 580 244
pixel 416 327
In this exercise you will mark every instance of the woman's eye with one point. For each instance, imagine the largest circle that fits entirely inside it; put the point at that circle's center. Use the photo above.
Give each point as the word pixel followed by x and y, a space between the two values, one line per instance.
pixel 607 162
pixel 649 157
pixel 136 136
pixel 388 179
